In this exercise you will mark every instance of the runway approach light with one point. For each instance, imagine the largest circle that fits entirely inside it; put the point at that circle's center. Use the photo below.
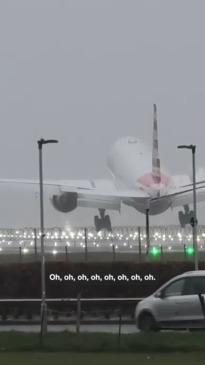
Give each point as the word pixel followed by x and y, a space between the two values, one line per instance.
pixel 155 251
pixel 189 250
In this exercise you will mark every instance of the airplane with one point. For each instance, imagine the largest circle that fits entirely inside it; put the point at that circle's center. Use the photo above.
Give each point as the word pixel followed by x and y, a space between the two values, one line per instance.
pixel 138 180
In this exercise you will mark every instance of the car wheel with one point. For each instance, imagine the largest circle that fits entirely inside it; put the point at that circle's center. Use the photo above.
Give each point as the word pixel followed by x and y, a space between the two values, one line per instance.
pixel 147 323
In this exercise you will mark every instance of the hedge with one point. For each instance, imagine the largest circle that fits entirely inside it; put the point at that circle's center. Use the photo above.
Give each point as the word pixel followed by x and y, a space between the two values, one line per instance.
pixel 24 280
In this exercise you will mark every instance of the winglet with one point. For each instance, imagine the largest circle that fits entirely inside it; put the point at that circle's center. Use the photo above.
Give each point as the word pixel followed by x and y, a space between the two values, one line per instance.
pixel 155 152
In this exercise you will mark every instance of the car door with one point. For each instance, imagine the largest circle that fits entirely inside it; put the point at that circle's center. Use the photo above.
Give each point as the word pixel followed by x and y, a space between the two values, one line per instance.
pixel 169 304
pixel 189 309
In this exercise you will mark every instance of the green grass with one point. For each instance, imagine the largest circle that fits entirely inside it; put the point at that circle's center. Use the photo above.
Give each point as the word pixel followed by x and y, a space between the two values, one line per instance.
pixel 100 359
pixel 102 348
pixel 103 342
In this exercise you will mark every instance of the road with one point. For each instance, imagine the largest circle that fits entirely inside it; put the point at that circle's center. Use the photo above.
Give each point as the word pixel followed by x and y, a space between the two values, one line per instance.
pixel 112 328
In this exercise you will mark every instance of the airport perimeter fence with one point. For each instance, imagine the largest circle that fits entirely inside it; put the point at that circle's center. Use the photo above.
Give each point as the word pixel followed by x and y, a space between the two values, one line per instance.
pixel 86 242
pixel 73 311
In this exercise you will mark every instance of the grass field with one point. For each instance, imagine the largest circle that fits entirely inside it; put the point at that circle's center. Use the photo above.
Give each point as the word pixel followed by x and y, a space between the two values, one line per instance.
pixel 102 348
pixel 63 358
pixel 166 342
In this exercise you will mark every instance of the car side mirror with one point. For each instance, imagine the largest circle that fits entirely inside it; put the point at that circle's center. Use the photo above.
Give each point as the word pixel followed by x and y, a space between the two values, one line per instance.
pixel 160 294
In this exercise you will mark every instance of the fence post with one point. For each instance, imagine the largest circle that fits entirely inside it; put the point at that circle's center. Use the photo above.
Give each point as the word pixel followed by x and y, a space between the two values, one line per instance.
pixel 78 314
pixel 161 251
pixel 113 252
pixel 139 243
pixel 86 244
pixel 120 327
pixel 185 251
pixel 35 242
pixel 20 253
pixel 66 252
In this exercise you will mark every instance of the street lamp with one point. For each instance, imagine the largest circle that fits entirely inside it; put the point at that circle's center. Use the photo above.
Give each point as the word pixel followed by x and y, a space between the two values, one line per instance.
pixel 194 219
pixel 41 142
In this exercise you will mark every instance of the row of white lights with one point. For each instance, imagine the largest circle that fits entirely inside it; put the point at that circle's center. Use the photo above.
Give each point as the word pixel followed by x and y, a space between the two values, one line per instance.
pixel 53 234
pixel 99 235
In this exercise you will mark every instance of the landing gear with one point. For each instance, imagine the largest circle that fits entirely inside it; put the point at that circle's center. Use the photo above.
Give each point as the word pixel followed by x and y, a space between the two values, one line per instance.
pixel 102 222
pixel 185 217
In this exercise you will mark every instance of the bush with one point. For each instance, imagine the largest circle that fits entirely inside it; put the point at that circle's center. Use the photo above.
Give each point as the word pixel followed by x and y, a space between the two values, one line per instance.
pixel 24 280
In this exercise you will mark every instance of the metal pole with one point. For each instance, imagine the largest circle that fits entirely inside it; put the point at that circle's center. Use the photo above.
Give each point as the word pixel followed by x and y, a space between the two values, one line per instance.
pixel 20 253
pixel 86 244
pixel 35 241
pixel 194 218
pixel 147 231
pixel 195 245
pixel 41 142
pixel 43 278
pixel 113 252
pixel 120 327
pixel 66 252
pixel 139 243
pixel 78 313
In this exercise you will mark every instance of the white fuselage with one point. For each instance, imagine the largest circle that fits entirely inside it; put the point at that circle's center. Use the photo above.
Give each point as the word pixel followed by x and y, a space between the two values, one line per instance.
pixel 130 163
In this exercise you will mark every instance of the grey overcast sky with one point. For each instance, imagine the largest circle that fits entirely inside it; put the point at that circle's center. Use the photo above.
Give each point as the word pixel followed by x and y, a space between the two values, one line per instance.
pixel 88 72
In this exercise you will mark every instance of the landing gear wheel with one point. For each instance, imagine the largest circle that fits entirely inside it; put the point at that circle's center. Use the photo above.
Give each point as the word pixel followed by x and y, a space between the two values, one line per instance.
pixel 181 216
pixel 186 217
pixel 103 222
pixel 98 223
pixel 107 223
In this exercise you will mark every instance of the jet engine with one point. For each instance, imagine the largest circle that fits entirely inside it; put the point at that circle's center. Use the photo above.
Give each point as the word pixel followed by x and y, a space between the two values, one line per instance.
pixel 65 202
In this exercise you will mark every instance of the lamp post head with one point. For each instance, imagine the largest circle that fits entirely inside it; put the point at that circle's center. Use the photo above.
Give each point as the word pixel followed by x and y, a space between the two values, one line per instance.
pixel 188 147
pixel 42 141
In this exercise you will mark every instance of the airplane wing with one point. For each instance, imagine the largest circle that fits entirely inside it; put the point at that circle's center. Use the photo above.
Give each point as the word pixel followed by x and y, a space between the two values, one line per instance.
pixel 197 183
pixel 185 181
pixel 183 196
pixel 67 195
pixel 100 194
pixel 182 191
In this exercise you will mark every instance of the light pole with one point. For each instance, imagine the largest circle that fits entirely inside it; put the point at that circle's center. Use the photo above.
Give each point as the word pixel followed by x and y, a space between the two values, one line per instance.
pixel 41 142
pixel 194 219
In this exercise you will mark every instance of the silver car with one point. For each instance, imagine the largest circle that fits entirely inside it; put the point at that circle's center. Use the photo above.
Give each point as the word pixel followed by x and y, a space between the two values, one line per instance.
pixel 178 304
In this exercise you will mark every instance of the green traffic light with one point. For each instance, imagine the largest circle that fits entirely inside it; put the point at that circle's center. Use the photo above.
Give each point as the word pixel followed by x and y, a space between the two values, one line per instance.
pixel 155 251
pixel 189 250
